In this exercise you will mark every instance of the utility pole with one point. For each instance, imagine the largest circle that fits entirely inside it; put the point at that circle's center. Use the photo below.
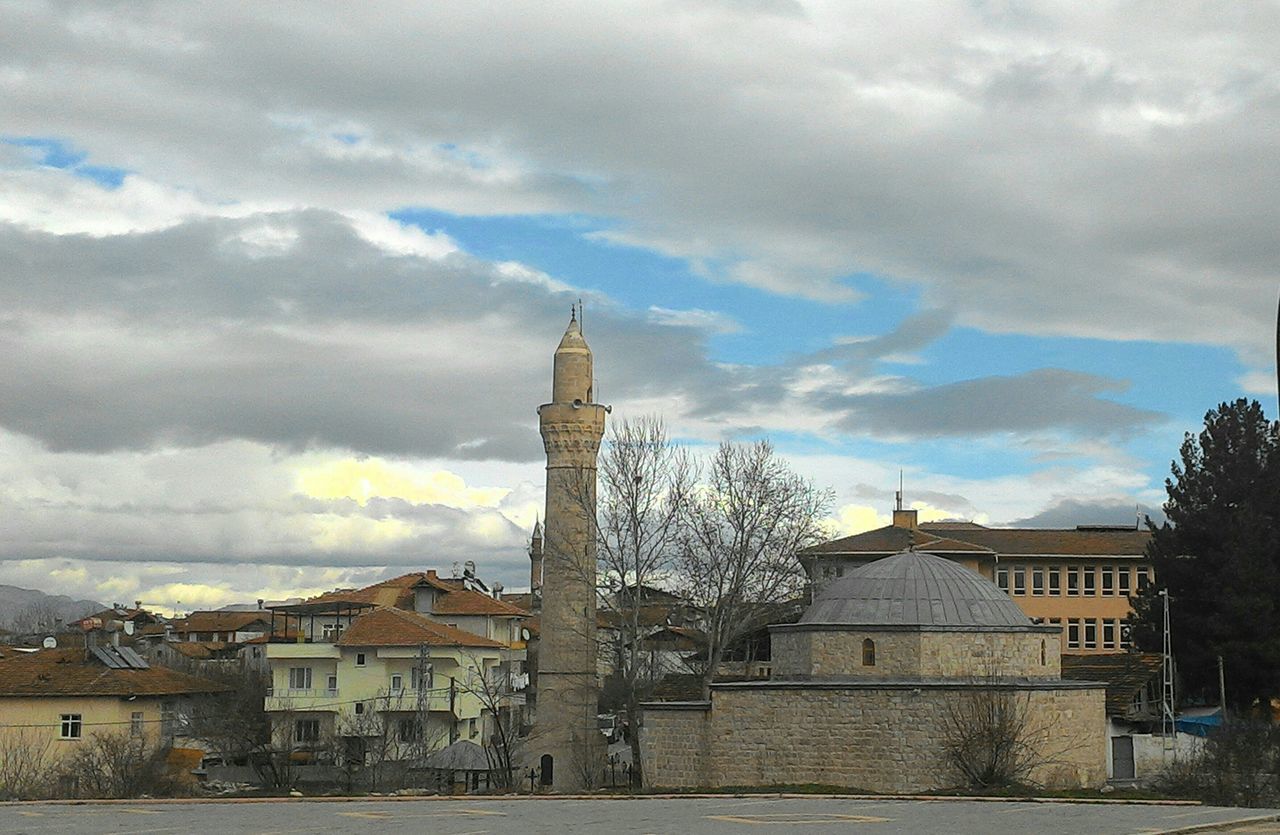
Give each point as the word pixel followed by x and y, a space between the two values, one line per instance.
pixel 1168 721
pixel 1222 690
pixel 424 699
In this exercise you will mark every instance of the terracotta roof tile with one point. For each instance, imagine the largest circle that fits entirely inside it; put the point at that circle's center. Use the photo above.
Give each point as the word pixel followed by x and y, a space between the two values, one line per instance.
pixel 219 621
pixel 470 602
pixel 390 627
pixel 1003 541
pixel 66 672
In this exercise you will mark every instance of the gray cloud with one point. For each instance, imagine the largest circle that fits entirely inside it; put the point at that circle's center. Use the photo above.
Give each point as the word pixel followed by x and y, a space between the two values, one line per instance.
pixel 1040 399
pixel 1038 170
pixel 1068 513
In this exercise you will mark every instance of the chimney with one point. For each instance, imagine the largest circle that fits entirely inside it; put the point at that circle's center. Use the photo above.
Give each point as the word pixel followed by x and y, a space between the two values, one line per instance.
pixel 261 602
pixel 497 591
pixel 137 604
pixel 904 518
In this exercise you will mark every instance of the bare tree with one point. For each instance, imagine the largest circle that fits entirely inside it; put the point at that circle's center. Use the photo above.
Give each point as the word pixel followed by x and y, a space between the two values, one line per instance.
pixel 993 737
pixel 236 726
pixel 26 764
pixel 117 765
pixel 741 530
pixel 644 481
pixel 501 741
pixel 37 616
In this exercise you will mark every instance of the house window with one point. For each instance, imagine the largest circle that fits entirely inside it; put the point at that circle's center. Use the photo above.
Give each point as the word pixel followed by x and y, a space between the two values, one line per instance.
pixel 1126 634
pixel 1002 580
pixel 416 675
pixel 1037 582
pixel 409 730
pixel 1073 633
pixel 72 726
pixel 473 730
pixel 331 631
pixel 397 682
pixel 1124 576
pixel 359 708
pixel 868 652
pixel 1109 634
pixel 306 730
pixel 135 723
pixel 1090 581
pixel 1108 581
pixel 1055 581
pixel 1144 579
pixel 1019 581
pixel 1091 634
pixel 332 684
pixel 1073 582
pixel 299 678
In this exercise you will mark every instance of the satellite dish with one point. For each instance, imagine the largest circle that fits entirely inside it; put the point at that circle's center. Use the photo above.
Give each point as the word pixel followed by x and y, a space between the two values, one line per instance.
pixel 50 642
pixel 128 627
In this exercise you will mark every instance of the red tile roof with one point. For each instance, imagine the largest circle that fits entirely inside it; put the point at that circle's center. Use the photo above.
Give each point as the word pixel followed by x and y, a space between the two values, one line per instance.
pixel 220 621
pixel 398 592
pixel 947 537
pixel 67 672
pixel 391 627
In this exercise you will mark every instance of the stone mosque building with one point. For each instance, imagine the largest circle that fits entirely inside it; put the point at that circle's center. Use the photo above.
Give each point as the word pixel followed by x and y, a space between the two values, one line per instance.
pixel 888 665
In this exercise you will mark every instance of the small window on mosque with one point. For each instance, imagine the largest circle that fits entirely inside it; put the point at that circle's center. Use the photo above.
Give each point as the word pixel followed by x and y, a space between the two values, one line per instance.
pixel 1042 653
pixel 868 652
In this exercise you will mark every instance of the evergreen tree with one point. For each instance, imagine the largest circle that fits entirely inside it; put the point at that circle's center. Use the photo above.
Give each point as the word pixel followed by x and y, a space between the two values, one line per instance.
pixel 1219 557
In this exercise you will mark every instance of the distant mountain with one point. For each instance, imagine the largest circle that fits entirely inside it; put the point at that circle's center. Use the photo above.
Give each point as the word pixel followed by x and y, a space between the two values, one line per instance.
pixel 23 610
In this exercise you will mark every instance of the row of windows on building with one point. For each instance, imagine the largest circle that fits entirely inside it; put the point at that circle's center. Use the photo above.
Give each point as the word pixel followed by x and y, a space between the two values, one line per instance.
pixel 300 678
pixel 71 725
pixel 406 730
pixel 1073 581
pixel 1093 633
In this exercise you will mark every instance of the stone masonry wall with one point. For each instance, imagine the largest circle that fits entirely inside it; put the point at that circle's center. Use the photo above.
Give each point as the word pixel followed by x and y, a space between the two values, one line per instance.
pixel 674 747
pixel 882 739
pixel 986 654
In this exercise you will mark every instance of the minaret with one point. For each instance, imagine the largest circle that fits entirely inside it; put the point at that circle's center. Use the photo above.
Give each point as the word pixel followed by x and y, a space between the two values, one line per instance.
pixel 535 565
pixel 572 426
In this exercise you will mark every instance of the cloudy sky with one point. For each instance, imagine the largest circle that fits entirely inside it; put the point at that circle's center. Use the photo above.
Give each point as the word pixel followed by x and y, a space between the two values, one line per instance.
pixel 281 282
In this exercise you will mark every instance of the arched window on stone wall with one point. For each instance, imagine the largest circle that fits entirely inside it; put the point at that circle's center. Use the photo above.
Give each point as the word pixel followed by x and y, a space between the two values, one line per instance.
pixel 868 652
pixel 1042 656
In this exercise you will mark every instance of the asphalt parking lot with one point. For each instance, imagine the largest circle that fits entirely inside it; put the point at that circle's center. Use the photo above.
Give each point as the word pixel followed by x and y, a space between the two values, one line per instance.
pixel 642 816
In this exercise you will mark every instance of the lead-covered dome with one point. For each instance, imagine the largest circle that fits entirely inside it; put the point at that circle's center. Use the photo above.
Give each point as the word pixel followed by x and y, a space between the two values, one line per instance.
pixel 914 589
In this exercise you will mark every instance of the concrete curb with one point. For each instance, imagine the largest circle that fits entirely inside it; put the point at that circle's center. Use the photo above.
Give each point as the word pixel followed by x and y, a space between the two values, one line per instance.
pixel 1218 827
pixel 170 801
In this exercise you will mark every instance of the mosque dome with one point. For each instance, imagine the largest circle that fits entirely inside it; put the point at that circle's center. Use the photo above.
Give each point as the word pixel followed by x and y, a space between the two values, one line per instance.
pixel 914 589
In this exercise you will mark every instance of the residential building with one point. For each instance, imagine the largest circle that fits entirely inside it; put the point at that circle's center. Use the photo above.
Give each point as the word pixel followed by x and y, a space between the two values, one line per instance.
pixel 348 661
pixel 390 677
pixel 1079 579
pixel 64 696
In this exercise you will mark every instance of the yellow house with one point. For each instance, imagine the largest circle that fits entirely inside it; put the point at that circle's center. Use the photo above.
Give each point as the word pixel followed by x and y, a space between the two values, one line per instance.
pixel 54 699
pixel 390 677
pixel 1079 579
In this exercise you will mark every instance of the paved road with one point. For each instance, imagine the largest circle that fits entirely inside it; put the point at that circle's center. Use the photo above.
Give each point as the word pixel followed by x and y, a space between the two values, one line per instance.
pixel 712 816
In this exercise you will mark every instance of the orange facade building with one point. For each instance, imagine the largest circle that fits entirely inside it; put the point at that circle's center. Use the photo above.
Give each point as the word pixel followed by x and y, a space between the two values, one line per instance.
pixel 1079 578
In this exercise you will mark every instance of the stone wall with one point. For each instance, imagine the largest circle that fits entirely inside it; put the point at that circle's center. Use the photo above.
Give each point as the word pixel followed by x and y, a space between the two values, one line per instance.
pixel 820 652
pixel 874 737
pixel 987 654
pixel 674 745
